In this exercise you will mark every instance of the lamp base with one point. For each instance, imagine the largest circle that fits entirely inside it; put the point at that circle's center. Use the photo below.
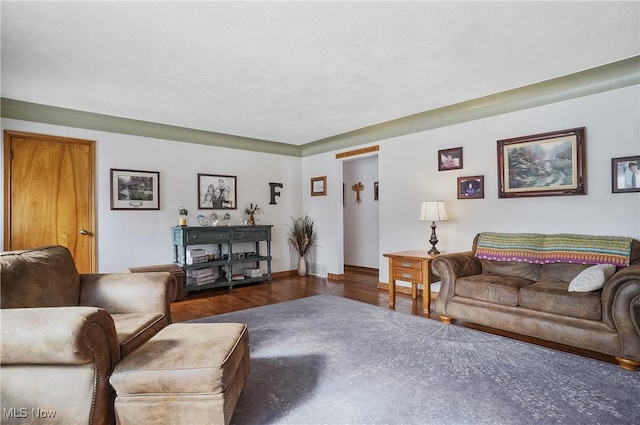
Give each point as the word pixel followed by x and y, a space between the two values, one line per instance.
pixel 433 240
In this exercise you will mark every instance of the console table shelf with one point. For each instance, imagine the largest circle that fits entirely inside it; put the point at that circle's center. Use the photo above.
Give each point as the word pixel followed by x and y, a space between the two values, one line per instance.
pixel 223 239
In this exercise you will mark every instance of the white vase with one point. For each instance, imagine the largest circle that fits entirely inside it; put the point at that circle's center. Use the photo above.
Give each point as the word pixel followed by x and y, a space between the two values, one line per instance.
pixel 302 266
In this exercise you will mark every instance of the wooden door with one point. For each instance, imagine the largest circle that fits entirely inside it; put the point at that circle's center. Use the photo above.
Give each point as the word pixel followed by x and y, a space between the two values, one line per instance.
pixel 49 194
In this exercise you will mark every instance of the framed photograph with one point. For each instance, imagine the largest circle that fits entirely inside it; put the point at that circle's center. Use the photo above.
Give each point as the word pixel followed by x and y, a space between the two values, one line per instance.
pixel 450 159
pixel 319 186
pixel 471 187
pixel 135 190
pixel 217 192
pixel 625 175
pixel 547 164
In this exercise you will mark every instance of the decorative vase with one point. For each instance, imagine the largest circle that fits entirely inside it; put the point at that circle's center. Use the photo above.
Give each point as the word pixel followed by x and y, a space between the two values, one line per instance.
pixel 251 221
pixel 302 266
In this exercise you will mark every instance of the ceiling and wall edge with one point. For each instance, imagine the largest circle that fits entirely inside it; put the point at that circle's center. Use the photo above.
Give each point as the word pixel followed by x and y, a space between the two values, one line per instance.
pixel 612 76
pixel 607 77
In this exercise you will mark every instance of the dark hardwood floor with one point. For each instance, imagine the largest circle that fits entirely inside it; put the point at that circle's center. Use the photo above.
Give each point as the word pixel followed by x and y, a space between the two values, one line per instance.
pixel 359 285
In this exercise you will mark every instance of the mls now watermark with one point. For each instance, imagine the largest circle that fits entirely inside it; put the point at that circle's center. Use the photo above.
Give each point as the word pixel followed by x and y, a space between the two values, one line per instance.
pixel 25 412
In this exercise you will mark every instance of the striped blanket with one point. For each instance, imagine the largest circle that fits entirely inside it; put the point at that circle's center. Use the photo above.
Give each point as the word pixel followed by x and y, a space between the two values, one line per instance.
pixel 557 248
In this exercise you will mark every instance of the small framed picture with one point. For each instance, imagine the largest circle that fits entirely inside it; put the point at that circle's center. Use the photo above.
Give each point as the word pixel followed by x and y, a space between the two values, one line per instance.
pixel 135 190
pixel 217 192
pixel 625 175
pixel 471 187
pixel 450 159
pixel 319 186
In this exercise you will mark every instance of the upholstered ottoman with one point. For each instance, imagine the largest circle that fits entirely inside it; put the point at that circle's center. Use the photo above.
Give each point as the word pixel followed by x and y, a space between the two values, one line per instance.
pixel 188 373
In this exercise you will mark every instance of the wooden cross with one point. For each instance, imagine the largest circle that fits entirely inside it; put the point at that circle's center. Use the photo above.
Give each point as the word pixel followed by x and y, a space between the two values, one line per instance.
pixel 357 188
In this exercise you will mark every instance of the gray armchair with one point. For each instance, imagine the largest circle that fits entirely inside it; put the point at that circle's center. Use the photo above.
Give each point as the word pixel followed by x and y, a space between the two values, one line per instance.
pixel 62 333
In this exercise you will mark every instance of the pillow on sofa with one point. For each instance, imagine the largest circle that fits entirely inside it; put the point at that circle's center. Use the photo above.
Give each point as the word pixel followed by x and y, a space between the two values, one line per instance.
pixel 592 279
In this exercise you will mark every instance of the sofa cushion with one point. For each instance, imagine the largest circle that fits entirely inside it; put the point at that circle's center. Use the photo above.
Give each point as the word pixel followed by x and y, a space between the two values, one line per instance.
pixel 40 277
pixel 551 296
pixel 592 279
pixel 561 271
pixel 511 268
pixel 493 288
pixel 134 329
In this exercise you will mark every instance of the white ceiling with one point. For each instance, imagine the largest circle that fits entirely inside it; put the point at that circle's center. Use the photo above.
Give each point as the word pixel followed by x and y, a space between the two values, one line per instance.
pixel 297 72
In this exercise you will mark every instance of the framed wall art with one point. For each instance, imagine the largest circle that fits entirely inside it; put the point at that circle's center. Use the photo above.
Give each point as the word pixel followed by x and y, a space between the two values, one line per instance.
pixel 450 159
pixel 216 192
pixel 319 186
pixel 546 164
pixel 471 187
pixel 135 190
pixel 625 174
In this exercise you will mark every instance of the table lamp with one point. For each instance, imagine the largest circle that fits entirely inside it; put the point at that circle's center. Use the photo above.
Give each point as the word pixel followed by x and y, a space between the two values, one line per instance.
pixel 433 211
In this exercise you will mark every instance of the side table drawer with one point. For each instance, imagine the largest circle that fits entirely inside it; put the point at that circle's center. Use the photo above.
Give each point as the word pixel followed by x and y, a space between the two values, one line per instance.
pixel 409 275
pixel 407 264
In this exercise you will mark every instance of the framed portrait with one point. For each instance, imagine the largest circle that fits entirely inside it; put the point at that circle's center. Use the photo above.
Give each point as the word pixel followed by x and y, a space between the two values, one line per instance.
pixel 450 159
pixel 217 192
pixel 547 164
pixel 625 175
pixel 319 186
pixel 135 190
pixel 471 187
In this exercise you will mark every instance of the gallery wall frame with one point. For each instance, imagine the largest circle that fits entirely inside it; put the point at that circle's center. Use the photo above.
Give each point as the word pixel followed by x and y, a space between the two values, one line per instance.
pixel 135 190
pixel 625 174
pixel 471 187
pixel 545 164
pixel 217 192
pixel 319 186
pixel 450 159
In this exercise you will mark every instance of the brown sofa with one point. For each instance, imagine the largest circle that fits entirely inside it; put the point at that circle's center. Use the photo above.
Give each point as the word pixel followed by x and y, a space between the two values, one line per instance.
pixel 64 332
pixel 521 283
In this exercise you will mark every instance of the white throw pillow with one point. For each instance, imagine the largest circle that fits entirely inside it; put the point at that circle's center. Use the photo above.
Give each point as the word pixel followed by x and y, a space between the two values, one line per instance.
pixel 592 279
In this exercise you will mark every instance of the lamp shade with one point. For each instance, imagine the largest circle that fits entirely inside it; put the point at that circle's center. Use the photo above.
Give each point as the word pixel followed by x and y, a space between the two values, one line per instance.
pixel 433 211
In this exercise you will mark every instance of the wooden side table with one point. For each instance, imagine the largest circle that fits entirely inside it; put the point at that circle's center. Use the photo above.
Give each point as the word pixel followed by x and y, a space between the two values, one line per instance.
pixel 414 267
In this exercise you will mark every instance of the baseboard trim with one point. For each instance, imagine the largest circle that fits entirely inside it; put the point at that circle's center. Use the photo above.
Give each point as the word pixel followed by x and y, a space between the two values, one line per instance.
pixel 370 270
pixel 285 273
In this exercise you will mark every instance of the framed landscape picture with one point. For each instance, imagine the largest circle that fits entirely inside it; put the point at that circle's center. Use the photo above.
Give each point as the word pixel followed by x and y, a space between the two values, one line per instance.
pixel 625 174
pixel 547 164
pixel 135 190
pixel 471 187
pixel 216 192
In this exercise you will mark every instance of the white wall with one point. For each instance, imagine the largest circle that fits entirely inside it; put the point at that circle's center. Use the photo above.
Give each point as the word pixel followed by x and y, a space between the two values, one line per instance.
pixel 361 220
pixel 408 174
pixel 138 238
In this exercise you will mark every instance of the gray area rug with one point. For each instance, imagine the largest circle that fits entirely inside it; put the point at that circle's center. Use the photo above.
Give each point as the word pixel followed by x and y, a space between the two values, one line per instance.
pixel 330 360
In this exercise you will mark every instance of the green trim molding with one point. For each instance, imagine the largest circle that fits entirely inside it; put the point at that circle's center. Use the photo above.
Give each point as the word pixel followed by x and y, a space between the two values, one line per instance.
pixel 607 77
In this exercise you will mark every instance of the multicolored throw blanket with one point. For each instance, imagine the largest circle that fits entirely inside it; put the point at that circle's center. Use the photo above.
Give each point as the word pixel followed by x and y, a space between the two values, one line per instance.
pixel 557 248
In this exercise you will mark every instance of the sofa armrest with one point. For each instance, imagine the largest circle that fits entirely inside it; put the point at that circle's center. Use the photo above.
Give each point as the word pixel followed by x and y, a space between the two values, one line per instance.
pixel 450 267
pixel 621 308
pixel 129 292
pixel 58 335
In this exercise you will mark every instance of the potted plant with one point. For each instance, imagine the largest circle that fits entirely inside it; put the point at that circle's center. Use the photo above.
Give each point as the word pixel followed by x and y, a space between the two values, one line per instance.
pixel 251 211
pixel 302 237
